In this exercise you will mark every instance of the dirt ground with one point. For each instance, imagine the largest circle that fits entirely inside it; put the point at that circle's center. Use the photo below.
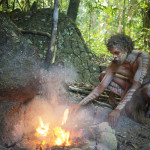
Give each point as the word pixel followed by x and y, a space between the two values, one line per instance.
pixel 130 134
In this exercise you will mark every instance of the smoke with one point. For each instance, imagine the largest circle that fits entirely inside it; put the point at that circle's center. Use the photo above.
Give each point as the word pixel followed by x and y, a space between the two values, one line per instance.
pixel 52 101
pixel 53 84
pixel 52 98
pixel 50 104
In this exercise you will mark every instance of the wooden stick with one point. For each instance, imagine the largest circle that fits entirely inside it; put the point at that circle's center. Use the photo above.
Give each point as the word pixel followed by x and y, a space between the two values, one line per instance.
pixel 103 104
pixel 120 76
pixel 82 91
pixel 74 89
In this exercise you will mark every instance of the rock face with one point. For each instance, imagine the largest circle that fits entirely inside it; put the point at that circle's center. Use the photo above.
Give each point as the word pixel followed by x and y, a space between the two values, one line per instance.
pixel 19 63
pixel 19 79
pixel 11 123
pixel 71 48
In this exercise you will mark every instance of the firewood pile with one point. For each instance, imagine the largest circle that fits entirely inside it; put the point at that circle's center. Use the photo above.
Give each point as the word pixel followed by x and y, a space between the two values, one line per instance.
pixel 106 99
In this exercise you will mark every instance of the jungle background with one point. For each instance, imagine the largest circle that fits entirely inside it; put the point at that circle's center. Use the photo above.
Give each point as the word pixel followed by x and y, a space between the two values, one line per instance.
pixel 84 27
pixel 94 21
pixel 98 19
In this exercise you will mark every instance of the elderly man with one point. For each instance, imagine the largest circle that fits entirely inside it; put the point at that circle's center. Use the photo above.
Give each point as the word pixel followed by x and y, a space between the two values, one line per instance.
pixel 128 73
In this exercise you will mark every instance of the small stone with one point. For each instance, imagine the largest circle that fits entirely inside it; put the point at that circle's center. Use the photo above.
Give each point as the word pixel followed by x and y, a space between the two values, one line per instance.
pixel 107 136
pixel 104 127
pixel 109 140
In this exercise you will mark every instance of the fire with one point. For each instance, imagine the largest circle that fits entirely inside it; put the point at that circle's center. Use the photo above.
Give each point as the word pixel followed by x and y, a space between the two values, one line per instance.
pixel 57 135
pixel 43 129
pixel 65 116
pixel 62 136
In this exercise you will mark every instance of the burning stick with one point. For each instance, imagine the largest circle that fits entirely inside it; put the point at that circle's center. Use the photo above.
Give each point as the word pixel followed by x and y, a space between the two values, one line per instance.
pixel 43 129
pixel 65 117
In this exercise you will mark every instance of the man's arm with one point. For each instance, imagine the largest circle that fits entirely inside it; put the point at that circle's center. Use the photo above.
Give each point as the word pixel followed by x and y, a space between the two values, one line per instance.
pixel 143 65
pixel 128 96
pixel 115 114
pixel 100 88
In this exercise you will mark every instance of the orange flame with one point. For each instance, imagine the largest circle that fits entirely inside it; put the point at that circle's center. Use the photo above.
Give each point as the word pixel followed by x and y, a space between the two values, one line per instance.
pixel 62 136
pixel 65 116
pixel 57 135
pixel 43 129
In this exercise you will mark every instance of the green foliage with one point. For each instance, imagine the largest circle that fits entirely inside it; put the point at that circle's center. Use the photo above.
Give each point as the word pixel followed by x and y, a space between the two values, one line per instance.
pixel 99 19
pixel 25 5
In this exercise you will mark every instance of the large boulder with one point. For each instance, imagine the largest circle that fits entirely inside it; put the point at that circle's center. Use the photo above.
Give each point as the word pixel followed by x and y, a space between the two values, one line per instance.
pixel 71 48
pixel 19 63
pixel 11 123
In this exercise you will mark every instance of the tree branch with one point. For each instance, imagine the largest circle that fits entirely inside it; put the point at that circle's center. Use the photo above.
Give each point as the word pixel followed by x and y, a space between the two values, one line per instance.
pixel 19 5
pixel 1 2
pixel 51 50
pixel 103 104
pixel 35 32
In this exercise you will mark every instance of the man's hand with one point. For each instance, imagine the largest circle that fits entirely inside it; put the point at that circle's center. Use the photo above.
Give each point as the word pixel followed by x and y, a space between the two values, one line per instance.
pixel 113 118
pixel 74 109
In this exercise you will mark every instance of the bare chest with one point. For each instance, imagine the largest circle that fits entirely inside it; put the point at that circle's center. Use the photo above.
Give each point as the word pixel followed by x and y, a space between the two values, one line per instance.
pixel 129 68
pixel 126 70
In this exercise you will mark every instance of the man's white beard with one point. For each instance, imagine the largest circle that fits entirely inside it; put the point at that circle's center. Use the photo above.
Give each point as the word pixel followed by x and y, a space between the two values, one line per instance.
pixel 121 60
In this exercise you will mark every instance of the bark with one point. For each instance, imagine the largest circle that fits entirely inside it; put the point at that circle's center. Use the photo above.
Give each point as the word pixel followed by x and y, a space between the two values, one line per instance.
pixel 78 90
pixel 27 5
pixel 34 6
pixel 124 16
pixel 103 104
pixel 146 25
pixel 19 5
pixel 5 5
pixel 73 9
pixel 52 46
pixel 1 2
pixel 13 5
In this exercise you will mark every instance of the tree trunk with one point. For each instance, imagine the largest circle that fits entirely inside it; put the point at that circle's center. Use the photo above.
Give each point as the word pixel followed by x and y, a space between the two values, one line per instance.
pixel 146 25
pixel 73 9
pixel 13 5
pixel 27 5
pixel 19 5
pixel 51 50
pixel 5 5
pixel 124 16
